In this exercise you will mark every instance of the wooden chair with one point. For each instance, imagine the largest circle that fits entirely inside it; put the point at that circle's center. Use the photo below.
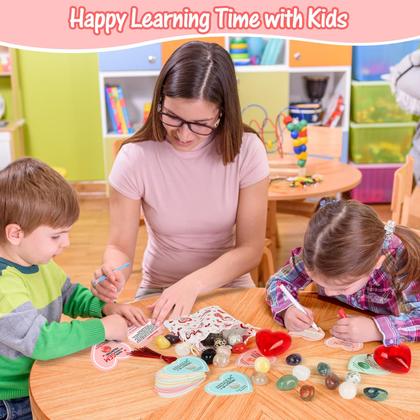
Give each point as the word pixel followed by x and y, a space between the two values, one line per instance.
pixel 324 143
pixel 265 268
pixel 414 210
pixel 401 192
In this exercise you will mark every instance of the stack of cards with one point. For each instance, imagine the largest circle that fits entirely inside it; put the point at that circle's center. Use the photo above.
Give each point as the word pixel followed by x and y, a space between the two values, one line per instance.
pixel 180 377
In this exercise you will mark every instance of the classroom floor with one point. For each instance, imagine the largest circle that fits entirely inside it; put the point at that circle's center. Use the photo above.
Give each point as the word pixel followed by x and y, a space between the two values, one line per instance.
pixel 89 236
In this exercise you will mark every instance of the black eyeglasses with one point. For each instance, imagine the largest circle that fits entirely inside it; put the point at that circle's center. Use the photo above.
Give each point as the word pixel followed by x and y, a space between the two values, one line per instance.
pixel 196 128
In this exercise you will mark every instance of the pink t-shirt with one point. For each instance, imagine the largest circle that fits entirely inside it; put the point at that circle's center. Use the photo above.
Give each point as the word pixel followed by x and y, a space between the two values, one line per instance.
pixel 189 200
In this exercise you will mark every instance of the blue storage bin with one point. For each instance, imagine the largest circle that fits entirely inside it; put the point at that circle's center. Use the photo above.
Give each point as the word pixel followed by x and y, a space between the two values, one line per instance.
pixel 371 61
pixel 148 57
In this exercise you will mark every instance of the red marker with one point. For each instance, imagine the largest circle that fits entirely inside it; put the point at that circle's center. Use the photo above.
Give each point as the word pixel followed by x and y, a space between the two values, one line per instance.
pixel 341 313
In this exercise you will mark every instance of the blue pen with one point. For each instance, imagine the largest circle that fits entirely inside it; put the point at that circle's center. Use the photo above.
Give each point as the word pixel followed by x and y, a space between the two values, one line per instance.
pixel 103 277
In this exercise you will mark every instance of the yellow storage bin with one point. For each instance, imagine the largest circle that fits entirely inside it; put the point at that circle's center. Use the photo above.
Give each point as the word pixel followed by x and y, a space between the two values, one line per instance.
pixel 373 102
pixel 380 143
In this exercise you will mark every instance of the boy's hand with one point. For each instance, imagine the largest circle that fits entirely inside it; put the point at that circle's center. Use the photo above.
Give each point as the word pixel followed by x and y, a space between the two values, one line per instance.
pixel 109 289
pixel 115 327
pixel 357 329
pixel 132 314
pixel 295 320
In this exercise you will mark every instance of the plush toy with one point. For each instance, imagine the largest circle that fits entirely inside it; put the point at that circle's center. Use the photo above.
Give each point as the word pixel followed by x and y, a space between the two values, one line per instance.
pixel 405 82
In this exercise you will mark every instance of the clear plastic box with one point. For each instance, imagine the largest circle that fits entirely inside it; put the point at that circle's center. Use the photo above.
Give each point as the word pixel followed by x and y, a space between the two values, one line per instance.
pixel 376 185
pixel 380 143
pixel 373 102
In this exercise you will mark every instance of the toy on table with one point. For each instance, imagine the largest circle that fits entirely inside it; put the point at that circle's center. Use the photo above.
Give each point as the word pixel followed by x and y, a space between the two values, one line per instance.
pixel 299 134
pixel 364 363
pixel 396 359
pixel 287 382
pixel 272 343
pixel 307 392
pixel 294 359
pixel 303 181
pixel 262 366
pixel 375 394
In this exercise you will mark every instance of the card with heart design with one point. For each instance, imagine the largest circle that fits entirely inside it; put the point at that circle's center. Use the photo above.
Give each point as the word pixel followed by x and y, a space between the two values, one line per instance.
pixel 365 363
pixel 230 383
pixel 105 355
pixel 247 359
pixel 310 334
pixel 141 335
pixel 337 343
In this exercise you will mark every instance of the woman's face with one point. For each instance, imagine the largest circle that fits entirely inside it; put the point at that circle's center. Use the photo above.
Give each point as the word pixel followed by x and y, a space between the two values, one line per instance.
pixel 202 116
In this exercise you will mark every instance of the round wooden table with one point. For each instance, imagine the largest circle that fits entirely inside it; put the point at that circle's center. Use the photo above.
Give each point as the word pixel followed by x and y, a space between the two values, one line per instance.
pixel 337 177
pixel 72 388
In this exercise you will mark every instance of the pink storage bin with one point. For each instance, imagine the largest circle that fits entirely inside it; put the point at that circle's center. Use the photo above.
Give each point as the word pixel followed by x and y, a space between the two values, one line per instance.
pixel 376 185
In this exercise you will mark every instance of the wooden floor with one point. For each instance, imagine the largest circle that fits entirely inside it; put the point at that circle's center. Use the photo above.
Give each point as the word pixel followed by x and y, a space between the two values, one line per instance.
pixel 89 236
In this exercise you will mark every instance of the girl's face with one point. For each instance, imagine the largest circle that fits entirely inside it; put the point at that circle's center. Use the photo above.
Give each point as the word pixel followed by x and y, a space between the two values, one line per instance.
pixel 343 286
pixel 188 122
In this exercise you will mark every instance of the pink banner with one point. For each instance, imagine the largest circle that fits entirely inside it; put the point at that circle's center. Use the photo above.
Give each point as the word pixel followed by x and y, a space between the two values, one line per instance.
pixel 94 24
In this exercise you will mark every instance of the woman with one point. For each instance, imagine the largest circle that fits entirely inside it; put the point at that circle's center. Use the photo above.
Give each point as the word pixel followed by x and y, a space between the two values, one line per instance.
pixel 200 176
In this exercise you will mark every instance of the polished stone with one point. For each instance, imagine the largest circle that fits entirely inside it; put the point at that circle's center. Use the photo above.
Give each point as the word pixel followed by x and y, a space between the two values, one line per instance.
pixel 376 394
pixel 353 377
pixel 323 368
pixel 221 360
pixel 332 381
pixel 208 355
pixel 293 359
pixel 262 364
pixel 259 378
pixel 162 342
pixel 307 392
pixel 301 372
pixel 347 390
pixel 287 382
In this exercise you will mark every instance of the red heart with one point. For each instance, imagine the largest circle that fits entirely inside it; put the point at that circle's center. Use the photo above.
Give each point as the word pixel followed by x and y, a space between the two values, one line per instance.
pixel 272 343
pixel 396 359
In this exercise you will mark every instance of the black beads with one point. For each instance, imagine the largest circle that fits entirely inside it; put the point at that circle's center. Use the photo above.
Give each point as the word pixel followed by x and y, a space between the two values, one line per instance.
pixel 208 356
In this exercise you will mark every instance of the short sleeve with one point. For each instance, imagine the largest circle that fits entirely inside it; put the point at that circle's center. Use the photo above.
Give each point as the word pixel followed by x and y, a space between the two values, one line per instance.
pixel 253 161
pixel 126 174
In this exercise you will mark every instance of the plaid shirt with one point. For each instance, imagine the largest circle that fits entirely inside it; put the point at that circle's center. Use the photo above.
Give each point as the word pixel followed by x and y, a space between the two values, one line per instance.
pixel 398 318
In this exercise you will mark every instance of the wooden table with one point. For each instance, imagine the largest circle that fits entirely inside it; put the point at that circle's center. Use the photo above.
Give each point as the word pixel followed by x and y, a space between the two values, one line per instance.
pixel 71 388
pixel 338 177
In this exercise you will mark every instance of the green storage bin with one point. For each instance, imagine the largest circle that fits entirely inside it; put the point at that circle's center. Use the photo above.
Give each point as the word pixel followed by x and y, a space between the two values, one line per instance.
pixel 380 143
pixel 373 102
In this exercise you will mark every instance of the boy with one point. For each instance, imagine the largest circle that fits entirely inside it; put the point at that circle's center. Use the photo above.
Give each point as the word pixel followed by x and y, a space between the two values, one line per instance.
pixel 37 209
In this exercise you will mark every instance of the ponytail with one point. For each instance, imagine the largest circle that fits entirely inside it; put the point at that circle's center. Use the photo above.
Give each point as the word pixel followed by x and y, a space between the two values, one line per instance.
pixel 409 267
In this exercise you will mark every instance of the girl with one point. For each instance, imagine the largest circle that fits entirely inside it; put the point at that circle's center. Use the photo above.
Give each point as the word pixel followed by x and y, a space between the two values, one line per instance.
pixel 350 254
pixel 200 176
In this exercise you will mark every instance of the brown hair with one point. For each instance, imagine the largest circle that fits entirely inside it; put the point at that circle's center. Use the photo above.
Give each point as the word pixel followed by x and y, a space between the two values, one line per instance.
pixel 345 239
pixel 199 70
pixel 33 194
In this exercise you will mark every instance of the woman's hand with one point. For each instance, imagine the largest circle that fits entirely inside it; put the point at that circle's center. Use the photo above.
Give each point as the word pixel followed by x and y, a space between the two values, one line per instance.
pixel 132 314
pixel 108 289
pixel 175 301
pixel 357 329
pixel 295 320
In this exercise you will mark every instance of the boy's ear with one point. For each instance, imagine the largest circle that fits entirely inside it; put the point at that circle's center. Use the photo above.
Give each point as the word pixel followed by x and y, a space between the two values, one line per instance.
pixel 14 234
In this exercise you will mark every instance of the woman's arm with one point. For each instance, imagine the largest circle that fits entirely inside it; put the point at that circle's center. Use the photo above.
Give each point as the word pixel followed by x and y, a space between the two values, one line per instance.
pixel 124 224
pixel 250 234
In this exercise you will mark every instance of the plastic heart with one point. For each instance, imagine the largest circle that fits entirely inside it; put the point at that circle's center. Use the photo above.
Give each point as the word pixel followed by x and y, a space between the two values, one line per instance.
pixel 396 359
pixel 272 343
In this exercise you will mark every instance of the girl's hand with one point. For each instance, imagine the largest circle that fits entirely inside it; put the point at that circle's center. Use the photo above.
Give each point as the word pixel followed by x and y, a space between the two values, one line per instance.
pixel 132 314
pixel 109 289
pixel 175 301
pixel 295 320
pixel 357 329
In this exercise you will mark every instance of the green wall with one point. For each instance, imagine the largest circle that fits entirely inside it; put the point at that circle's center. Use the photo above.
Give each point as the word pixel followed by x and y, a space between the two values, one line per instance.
pixel 61 106
pixel 6 92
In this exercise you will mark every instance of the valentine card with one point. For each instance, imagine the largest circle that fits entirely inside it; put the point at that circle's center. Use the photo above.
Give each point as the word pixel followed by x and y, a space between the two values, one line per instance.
pixel 141 335
pixel 105 355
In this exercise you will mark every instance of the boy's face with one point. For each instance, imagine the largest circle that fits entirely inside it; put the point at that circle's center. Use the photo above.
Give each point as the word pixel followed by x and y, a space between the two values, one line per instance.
pixel 43 243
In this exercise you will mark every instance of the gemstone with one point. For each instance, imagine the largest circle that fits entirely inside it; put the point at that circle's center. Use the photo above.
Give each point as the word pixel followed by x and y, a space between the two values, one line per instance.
pixel 396 359
pixel 332 381
pixel 293 359
pixel 239 348
pixel 301 372
pixel 272 343
pixel 262 364
pixel 307 392
pixel 376 394
pixel 323 369
pixel 353 377
pixel 182 349
pixel 173 339
pixel 234 339
pixel 347 390
pixel 209 340
pixel 208 355
pixel 287 382
pixel 224 350
pixel 220 342
pixel 162 342
pixel 259 378
pixel 221 360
